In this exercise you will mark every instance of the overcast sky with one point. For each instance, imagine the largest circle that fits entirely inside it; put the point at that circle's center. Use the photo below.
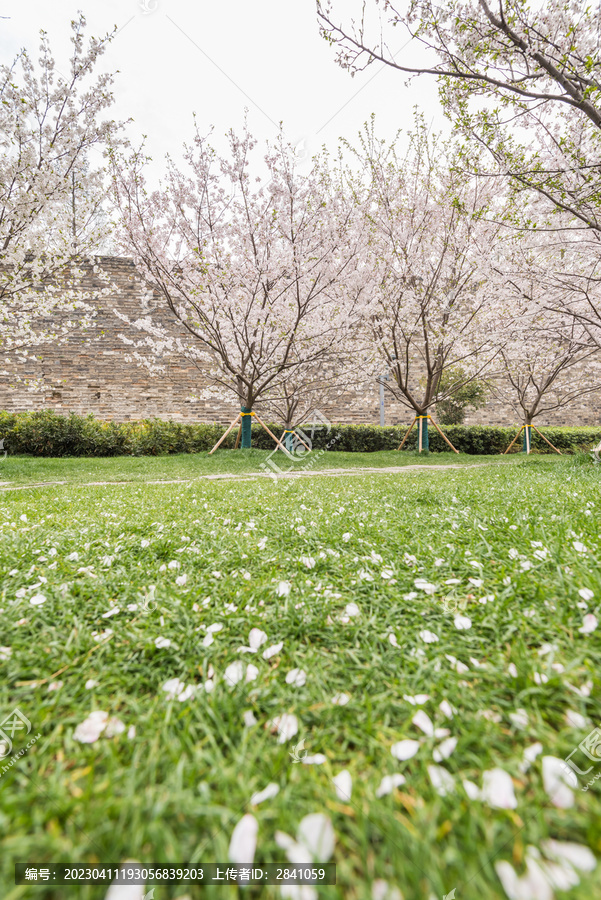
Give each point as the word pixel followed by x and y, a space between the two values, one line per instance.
pixel 177 57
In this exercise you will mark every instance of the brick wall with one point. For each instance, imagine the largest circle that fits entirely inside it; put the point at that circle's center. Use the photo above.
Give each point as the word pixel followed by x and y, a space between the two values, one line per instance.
pixel 90 373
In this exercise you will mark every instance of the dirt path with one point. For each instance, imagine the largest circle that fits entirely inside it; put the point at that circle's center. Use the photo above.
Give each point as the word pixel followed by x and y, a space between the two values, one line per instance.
pixel 248 476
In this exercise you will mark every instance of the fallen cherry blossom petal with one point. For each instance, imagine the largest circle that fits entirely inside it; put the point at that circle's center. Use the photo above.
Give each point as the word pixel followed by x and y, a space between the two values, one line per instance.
pixel 343 785
pixel 404 749
pixel 555 782
pixel 497 789
pixel 389 783
pixel 243 842
pixel 268 793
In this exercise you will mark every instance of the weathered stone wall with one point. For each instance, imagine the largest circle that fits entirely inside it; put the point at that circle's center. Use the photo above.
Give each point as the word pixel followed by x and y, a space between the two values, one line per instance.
pixel 90 373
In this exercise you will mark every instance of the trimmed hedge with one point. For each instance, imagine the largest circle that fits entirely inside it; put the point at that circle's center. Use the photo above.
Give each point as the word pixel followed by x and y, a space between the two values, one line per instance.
pixel 45 433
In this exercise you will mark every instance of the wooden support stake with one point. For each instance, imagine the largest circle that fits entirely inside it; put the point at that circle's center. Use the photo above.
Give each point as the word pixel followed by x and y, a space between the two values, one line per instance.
pixel 299 438
pixel 223 436
pixel 272 435
pixel 444 437
pixel 400 447
pixel 238 436
pixel 514 440
pixel 545 439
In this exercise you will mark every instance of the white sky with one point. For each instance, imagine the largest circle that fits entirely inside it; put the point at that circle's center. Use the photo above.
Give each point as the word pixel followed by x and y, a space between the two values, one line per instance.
pixel 216 57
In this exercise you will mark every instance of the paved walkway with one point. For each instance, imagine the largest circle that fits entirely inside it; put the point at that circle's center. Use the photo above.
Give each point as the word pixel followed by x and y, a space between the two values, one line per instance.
pixel 247 476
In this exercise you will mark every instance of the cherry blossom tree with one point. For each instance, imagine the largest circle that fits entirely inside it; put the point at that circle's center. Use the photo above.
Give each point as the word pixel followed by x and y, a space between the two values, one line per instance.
pixel 548 359
pixel 522 80
pixel 261 277
pixel 534 72
pixel 49 127
pixel 428 254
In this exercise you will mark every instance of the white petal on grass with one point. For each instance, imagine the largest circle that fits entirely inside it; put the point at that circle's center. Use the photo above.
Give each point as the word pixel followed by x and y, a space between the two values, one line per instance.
pixel 556 782
pixel 428 636
pixel 389 783
pixel 577 855
pixel 88 731
pixel 462 623
pixel 248 718
pixel 318 759
pixel 381 890
pixel 187 692
pixel 471 789
pixel 351 609
pixel 173 687
pixel 234 673
pixel 251 673
pixel 5 653
pixel 114 726
pixel 340 699
pixel 316 833
pixel 404 749
pixel 90 683
pixel 579 547
pixel 586 593
pixel 442 780
pixel 512 669
pixel 296 677
pixel 286 726
pixel 243 842
pixel 457 665
pixel 162 642
pixel 268 793
pixel 283 589
pixel 111 612
pixel 308 561
pixel 392 640
pixel 444 750
pixel 529 755
pixel 423 721
pixel 422 585
pixel 531 886
pixel 575 719
pixel 126 891
pixel 416 700
pixel 497 789
pixel 256 638
pixel 446 709
pixel 343 785
pixel 37 599
pixel 273 650
pixel 589 623
pixel 519 718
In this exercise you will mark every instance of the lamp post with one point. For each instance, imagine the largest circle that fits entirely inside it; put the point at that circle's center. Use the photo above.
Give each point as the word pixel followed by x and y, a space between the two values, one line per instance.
pixel 385 376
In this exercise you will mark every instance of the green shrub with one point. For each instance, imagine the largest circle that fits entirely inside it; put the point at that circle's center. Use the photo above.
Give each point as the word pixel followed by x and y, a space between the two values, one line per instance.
pixel 45 433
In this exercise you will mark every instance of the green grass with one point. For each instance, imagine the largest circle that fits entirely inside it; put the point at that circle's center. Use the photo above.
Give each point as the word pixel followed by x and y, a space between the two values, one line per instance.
pixel 185 466
pixel 173 792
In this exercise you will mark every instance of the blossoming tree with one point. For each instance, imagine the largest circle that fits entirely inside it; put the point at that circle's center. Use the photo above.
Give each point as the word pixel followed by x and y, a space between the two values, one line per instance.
pixel 262 280
pixel 428 251
pixel 49 125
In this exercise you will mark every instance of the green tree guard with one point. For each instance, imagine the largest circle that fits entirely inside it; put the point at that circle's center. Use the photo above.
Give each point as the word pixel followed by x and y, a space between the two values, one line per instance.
pixel 245 443
pixel 289 441
pixel 527 444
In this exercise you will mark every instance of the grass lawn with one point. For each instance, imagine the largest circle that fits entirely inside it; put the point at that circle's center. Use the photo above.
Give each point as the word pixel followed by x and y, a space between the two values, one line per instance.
pixel 438 627
pixel 186 466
